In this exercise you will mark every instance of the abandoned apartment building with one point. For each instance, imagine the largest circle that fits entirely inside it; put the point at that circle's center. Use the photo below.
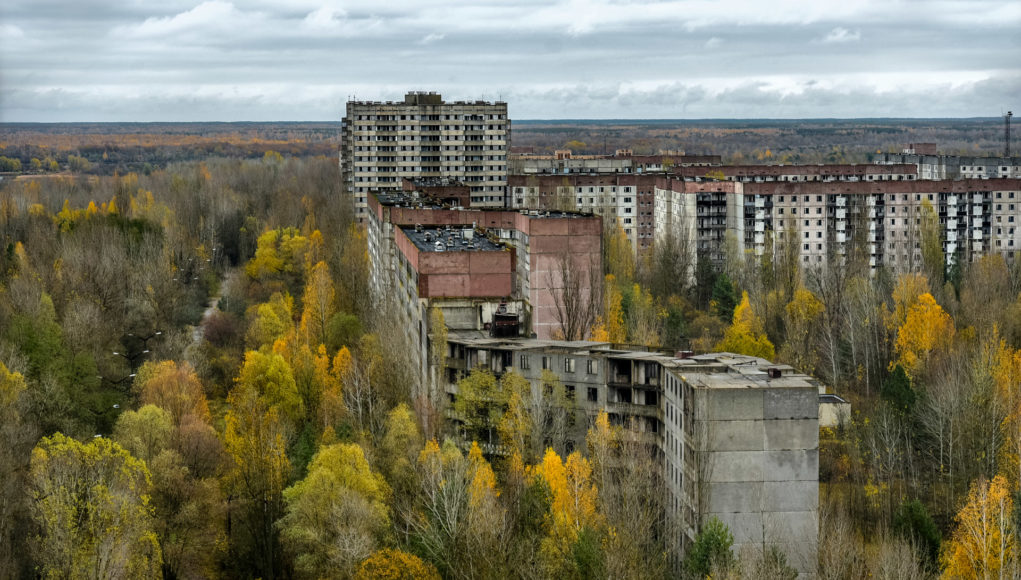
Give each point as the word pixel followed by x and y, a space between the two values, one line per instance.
pixel 738 436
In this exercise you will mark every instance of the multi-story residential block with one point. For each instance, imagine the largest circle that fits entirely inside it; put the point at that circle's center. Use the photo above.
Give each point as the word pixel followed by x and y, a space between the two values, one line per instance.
pixel 737 437
pixel 424 136
pixel 934 166
pixel 623 161
pixel 480 267
pixel 828 172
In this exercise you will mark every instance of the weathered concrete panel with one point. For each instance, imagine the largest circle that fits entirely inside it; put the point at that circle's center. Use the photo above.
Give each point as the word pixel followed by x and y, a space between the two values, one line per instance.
pixel 737 435
pixel 746 527
pixel 785 496
pixel 735 404
pixel 792 434
pixel 790 465
pixel 737 466
pixel 791 403
pixel 735 497
pixel 788 526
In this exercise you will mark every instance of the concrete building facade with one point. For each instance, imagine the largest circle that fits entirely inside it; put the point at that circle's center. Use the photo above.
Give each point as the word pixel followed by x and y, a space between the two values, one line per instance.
pixel 470 264
pixel 425 137
pixel 737 437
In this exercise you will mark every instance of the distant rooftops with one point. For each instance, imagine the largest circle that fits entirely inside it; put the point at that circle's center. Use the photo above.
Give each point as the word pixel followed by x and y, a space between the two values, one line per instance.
pixel 450 239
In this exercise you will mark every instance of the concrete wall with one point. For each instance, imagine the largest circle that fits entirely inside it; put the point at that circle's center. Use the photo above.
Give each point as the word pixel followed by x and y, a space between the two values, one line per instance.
pixel 764 474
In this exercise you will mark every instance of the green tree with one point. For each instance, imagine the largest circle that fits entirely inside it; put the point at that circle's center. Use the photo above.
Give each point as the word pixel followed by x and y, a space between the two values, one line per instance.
pixel 479 405
pixel 710 552
pixel 91 506
pixel 897 391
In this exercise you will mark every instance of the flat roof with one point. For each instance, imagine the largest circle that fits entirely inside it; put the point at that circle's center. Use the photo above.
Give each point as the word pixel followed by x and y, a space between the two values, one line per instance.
pixel 452 240
pixel 717 370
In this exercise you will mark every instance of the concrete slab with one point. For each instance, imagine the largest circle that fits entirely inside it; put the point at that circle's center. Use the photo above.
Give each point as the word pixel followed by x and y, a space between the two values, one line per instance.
pixel 790 465
pixel 737 466
pixel 735 497
pixel 791 434
pixel 735 404
pixel 738 435
pixel 793 403
pixel 785 496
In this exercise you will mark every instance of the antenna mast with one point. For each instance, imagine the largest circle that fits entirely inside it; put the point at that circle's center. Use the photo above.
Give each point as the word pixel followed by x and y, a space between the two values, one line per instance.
pixel 1006 133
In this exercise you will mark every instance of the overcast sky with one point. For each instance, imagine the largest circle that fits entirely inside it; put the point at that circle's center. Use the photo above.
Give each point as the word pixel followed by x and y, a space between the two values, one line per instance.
pixel 296 60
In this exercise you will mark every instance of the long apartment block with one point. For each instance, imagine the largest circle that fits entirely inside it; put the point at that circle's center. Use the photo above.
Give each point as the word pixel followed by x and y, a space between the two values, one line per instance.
pixel 826 208
pixel 737 436
pixel 424 136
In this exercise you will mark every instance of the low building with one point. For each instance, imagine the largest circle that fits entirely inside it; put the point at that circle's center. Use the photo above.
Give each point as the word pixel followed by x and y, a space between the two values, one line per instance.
pixel 738 436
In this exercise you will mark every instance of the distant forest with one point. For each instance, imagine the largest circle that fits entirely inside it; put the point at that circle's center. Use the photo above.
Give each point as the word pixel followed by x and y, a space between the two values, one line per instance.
pixel 106 148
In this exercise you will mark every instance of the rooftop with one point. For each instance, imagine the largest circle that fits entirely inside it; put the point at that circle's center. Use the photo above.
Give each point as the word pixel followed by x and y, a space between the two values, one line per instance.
pixel 454 239
pixel 717 370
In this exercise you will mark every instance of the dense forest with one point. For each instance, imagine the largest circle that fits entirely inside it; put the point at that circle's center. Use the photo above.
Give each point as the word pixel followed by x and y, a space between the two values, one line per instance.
pixel 196 382
pixel 106 148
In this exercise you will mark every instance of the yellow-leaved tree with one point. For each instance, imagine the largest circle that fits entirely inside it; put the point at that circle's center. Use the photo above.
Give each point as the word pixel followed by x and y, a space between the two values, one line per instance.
pixel 317 305
pixel 984 542
pixel 337 515
pixel 389 564
pixel 745 334
pixel 572 508
pixel 927 329
pixel 91 505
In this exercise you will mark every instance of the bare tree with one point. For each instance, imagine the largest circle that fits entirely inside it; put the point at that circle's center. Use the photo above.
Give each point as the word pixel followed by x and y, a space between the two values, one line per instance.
pixel 574 283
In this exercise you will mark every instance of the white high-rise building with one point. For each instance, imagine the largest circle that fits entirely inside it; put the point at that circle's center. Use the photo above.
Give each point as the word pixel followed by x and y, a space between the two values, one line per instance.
pixel 422 137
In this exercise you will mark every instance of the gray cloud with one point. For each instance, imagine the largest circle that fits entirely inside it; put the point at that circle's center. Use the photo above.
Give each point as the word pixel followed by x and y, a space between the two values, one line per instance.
pixel 300 60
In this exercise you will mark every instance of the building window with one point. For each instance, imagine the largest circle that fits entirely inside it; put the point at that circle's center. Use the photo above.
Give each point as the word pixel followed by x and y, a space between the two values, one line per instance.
pixel 524 362
pixel 545 363
pixel 569 365
pixel 593 395
pixel 569 392
pixel 590 367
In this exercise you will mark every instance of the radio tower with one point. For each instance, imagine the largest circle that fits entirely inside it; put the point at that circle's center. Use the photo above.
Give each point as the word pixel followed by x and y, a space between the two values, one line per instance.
pixel 1006 133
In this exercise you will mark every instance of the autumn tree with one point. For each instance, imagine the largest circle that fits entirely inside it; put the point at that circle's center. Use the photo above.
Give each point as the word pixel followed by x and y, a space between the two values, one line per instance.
pixel 174 388
pixel 17 436
pixel 573 508
pixel 186 498
pixel 389 564
pixel 255 440
pixel 984 542
pixel 269 375
pixel 745 334
pixel 801 320
pixel 926 330
pixel 91 505
pixel 336 515
pixel 458 524
pixel 317 305
pixel 270 320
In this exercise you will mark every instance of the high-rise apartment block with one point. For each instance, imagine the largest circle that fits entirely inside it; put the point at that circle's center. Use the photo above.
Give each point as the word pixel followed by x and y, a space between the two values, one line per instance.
pixel 383 143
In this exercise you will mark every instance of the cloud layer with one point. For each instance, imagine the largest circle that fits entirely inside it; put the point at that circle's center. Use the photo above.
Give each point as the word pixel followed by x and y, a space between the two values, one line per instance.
pixel 181 60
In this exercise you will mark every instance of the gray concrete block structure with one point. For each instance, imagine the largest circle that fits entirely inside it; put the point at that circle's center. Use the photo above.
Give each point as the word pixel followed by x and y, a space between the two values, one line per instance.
pixel 738 436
